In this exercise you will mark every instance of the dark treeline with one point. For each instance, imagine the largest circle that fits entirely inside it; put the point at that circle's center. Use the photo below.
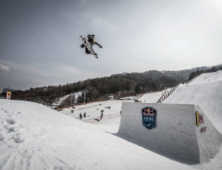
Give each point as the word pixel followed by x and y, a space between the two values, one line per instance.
pixel 199 71
pixel 119 85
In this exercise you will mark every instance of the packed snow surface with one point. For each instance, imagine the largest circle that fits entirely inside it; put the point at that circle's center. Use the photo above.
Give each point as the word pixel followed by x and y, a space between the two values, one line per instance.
pixel 205 91
pixel 73 97
pixel 35 137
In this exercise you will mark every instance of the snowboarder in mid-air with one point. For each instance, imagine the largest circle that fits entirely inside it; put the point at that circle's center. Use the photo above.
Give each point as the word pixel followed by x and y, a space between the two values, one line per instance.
pixel 89 43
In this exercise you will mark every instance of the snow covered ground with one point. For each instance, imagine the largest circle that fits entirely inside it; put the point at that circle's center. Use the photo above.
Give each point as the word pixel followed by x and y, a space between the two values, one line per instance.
pixel 111 116
pixel 205 91
pixel 74 97
pixel 35 137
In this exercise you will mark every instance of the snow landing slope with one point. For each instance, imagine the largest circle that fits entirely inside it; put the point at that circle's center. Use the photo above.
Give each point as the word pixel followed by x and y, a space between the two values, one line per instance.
pixel 34 137
pixel 205 91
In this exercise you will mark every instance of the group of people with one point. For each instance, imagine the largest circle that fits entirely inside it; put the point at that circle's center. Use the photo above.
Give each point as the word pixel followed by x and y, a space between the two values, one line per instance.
pixel 80 115
pixel 84 115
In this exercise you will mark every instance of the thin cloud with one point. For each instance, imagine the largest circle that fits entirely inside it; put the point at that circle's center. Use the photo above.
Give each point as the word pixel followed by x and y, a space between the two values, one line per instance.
pixel 105 24
pixel 4 68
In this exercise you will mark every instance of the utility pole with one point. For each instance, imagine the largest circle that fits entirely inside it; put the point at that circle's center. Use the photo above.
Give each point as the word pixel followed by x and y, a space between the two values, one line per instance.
pixel 71 99
pixel 85 91
pixel 72 96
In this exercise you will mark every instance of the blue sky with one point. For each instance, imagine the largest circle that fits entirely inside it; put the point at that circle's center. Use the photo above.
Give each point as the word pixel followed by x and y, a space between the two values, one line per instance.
pixel 40 44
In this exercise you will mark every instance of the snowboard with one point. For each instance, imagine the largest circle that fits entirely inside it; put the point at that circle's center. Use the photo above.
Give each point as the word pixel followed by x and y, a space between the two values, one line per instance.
pixel 88 46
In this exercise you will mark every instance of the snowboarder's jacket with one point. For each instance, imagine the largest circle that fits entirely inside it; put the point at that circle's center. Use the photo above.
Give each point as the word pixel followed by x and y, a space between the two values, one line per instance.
pixel 92 41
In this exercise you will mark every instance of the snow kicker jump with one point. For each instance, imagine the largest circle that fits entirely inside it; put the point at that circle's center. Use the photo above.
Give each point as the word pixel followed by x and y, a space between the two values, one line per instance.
pixel 88 44
pixel 178 131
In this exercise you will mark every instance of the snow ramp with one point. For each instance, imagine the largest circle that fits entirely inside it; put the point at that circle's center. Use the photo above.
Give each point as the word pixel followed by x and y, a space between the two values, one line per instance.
pixel 181 131
pixel 205 91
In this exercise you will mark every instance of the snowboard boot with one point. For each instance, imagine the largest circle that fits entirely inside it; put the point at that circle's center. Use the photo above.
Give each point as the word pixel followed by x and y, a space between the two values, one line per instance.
pixel 95 55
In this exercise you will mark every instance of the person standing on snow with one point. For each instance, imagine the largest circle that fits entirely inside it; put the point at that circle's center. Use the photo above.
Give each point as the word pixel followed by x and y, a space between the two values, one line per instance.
pixel 80 116
pixel 101 115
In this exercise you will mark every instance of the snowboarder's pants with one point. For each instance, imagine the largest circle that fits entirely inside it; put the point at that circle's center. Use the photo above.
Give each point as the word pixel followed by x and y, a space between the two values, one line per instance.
pixel 87 51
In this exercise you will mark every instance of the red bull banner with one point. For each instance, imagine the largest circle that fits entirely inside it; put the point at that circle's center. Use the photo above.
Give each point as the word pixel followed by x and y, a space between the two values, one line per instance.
pixel 199 118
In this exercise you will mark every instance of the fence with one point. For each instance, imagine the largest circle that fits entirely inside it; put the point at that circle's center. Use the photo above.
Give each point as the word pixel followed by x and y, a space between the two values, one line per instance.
pixel 166 94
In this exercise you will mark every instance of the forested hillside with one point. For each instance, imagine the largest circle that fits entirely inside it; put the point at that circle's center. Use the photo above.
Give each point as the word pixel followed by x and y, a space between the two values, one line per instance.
pixel 118 85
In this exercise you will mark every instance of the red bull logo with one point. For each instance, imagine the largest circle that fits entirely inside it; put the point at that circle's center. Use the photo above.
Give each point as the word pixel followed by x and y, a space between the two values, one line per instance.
pixel 199 118
pixel 149 117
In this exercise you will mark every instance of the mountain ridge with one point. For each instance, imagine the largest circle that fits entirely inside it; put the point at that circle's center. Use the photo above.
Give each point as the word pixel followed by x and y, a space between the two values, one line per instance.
pixel 118 85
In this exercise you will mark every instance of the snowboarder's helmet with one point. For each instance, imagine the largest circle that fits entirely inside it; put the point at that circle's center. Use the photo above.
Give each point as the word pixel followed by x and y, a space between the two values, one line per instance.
pixel 91 36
